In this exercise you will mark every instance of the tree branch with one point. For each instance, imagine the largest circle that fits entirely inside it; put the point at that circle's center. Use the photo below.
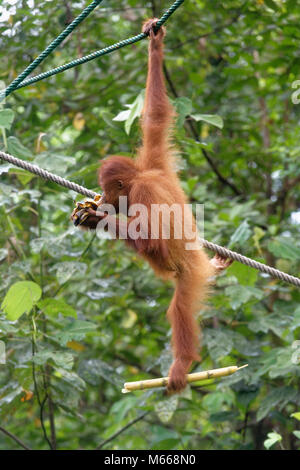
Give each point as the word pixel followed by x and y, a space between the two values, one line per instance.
pixel 36 389
pixel 15 438
pixel 116 434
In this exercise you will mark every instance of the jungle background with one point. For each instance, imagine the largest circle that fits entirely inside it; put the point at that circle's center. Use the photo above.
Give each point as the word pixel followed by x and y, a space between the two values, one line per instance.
pixel 96 318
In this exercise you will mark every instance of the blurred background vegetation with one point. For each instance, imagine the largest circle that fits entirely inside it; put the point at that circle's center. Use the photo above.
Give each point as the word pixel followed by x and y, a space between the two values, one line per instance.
pixel 98 319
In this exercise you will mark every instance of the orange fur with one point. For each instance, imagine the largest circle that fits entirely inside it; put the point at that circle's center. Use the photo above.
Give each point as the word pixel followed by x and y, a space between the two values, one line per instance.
pixel 151 179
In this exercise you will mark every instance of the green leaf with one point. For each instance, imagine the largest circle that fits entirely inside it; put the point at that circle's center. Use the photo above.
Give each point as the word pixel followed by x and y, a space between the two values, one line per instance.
pixel 6 118
pixel 122 116
pixel 120 408
pixel 68 269
pixel 240 294
pixel 296 415
pixel 61 359
pixel 271 4
pixel 20 298
pixel 219 343
pixel 93 371
pixel 241 235
pixel 166 408
pixel 54 162
pixel 3 253
pixel 297 434
pixel 258 234
pixel 213 402
pixel 273 438
pixel 274 322
pixel 213 119
pixel 284 249
pixel 130 319
pixel 75 331
pixel 183 108
pixel 245 275
pixel 17 149
pixel 54 307
pixel 134 111
pixel 276 399
pixel 5 167
pixel 8 400
pixel 166 444
pixel 72 379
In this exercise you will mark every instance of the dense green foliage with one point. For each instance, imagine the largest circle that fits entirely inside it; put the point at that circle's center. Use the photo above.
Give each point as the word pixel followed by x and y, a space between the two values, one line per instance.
pixel 82 315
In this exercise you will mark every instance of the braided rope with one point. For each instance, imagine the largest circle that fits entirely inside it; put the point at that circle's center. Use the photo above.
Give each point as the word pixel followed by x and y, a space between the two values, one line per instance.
pixel 211 246
pixel 53 45
pixel 93 55
pixel 47 175
pixel 252 263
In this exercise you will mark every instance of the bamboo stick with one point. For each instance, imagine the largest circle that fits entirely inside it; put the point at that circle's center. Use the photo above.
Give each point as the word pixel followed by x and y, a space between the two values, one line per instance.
pixel 163 381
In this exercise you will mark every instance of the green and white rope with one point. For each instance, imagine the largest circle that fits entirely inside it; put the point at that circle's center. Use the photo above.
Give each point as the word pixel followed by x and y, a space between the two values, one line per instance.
pixel 19 82
pixel 53 45
pixel 211 246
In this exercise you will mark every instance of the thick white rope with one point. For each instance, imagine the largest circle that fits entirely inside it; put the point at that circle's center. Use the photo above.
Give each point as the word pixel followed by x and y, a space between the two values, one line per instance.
pixel 211 246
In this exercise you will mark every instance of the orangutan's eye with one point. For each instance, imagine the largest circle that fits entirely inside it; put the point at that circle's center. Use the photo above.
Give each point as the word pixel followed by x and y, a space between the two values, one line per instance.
pixel 120 184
